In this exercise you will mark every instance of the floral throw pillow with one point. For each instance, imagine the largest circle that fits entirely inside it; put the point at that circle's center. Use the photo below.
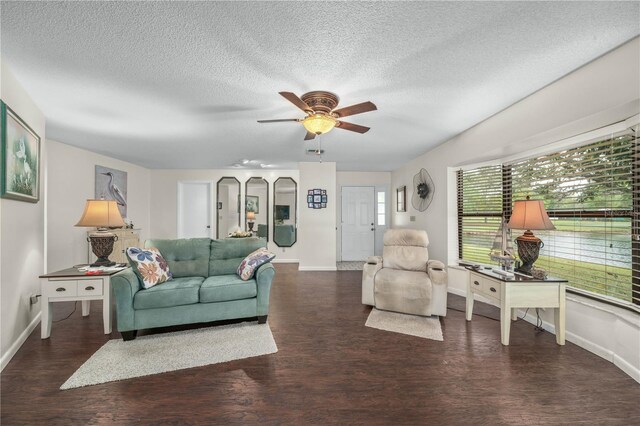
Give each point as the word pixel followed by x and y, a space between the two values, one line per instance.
pixel 149 265
pixel 252 262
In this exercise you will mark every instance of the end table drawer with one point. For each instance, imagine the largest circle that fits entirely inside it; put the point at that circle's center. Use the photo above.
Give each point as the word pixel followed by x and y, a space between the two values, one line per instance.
pixel 491 288
pixel 60 289
pixel 89 287
pixel 485 287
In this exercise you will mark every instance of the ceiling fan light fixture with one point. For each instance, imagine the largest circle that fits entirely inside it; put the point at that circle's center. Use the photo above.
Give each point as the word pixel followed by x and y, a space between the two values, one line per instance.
pixel 319 123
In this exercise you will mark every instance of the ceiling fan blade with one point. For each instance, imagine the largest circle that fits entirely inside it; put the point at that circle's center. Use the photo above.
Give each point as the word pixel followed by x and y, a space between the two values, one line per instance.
pixel 355 109
pixel 309 136
pixel 278 121
pixel 294 99
pixel 353 127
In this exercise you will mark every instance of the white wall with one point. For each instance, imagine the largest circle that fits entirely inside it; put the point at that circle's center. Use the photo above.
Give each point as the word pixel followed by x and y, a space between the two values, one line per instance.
pixel 317 227
pixel 22 229
pixel 70 182
pixel 381 181
pixel 163 201
pixel 602 92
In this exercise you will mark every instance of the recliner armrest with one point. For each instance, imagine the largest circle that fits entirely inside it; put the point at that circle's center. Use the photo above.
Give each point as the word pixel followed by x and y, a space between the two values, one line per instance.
pixel 374 260
pixel 437 272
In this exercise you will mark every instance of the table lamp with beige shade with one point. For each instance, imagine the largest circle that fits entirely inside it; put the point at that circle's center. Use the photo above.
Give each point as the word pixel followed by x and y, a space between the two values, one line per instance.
pixel 529 214
pixel 251 217
pixel 101 214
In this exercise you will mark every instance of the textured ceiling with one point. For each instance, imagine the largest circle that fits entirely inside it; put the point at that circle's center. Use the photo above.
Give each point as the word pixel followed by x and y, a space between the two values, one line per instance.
pixel 181 84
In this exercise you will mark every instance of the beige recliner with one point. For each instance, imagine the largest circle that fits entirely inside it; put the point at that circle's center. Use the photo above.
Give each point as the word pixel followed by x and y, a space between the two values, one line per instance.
pixel 404 279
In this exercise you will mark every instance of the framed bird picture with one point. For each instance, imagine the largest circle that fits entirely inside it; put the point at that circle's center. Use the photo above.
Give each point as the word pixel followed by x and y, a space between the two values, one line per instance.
pixel 111 184
pixel 20 169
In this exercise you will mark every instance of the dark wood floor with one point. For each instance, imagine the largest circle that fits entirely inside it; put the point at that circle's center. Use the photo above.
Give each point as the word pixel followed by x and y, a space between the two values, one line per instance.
pixel 331 369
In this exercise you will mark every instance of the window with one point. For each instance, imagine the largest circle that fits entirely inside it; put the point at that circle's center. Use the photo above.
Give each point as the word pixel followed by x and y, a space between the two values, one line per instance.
pixel 381 196
pixel 592 195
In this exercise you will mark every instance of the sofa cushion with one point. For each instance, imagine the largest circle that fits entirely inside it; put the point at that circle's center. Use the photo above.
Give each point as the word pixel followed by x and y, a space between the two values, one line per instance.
pixel 186 257
pixel 253 261
pixel 226 254
pixel 179 291
pixel 149 265
pixel 221 288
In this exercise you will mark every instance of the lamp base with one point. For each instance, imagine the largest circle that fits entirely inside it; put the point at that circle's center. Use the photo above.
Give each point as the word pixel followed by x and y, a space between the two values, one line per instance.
pixel 528 250
pixel 250 225
pixel 102 247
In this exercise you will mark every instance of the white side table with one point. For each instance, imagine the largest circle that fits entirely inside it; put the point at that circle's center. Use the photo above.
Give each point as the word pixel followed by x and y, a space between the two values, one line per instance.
pixel 70 285
pixel 518 292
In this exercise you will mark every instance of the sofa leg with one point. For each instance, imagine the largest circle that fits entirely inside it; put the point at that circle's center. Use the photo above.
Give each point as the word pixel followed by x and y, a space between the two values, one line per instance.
pixel 129 335
pixel 262 319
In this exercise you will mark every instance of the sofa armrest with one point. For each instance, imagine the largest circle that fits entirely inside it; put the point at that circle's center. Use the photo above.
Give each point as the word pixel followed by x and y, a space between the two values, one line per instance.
pixel 125 285
pixel 374 260
pixel 264 277
pixel 437 272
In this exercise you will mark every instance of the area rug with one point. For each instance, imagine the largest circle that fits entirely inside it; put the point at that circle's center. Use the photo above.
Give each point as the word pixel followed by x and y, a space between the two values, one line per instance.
pixel 159 353
pixel 425 327
pixel 350 266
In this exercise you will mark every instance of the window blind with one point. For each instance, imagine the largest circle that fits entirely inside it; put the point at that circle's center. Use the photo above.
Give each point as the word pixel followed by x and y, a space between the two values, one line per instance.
pixel 592 196
pixel 479 211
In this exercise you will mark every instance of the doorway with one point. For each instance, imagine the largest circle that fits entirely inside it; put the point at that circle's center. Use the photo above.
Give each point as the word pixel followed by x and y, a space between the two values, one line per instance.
pixel 194 209
pixel 358 222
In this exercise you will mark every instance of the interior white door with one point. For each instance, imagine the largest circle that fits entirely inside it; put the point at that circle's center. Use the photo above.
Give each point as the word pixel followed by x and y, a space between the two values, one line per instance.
pixel 358 225
pixel 194 209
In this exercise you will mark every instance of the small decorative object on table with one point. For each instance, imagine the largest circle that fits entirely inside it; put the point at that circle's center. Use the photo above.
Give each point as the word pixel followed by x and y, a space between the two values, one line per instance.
pixel 538 273
pixel 240 234
pixel 251 220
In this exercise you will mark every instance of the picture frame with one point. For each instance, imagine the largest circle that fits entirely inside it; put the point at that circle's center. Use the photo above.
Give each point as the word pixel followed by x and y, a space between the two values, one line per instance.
pixel 401 199
pixel 317 198
pixel 20 147
pixel 111 184
pixel 252 203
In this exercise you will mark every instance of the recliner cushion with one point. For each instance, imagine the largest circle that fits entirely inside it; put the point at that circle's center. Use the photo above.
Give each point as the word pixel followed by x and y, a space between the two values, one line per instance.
pixel 179 291
pixel 221 288
pixel 408 292
pixel 406 249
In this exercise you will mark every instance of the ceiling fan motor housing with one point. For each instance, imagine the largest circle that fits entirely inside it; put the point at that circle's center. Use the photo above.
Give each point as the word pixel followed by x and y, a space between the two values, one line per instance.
pixel 320 101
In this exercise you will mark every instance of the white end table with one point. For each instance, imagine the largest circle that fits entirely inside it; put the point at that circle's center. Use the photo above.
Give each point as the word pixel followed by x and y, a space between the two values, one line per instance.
pixel 520 291
pixel 70 285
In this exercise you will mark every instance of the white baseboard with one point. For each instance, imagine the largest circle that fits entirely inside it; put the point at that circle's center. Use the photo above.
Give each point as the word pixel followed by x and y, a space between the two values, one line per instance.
pixel 19 341
pixel 317 268
pixel 276 260
pixel 457 291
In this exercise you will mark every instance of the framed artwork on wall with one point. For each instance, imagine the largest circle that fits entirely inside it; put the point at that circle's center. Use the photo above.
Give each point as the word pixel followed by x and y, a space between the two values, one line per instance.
pixel 20 148
pixel 253 204
pixel 317 198
pixel 111 184
pixel 401 199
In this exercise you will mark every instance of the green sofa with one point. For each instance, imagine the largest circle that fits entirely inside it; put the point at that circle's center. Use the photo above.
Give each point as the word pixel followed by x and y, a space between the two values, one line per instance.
pixel 205 286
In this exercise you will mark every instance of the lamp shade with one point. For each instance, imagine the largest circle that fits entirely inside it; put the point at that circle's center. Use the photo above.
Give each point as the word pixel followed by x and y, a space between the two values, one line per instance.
pixel 319 123
pixel 101 214
pixel 251 216
pixel 530 214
